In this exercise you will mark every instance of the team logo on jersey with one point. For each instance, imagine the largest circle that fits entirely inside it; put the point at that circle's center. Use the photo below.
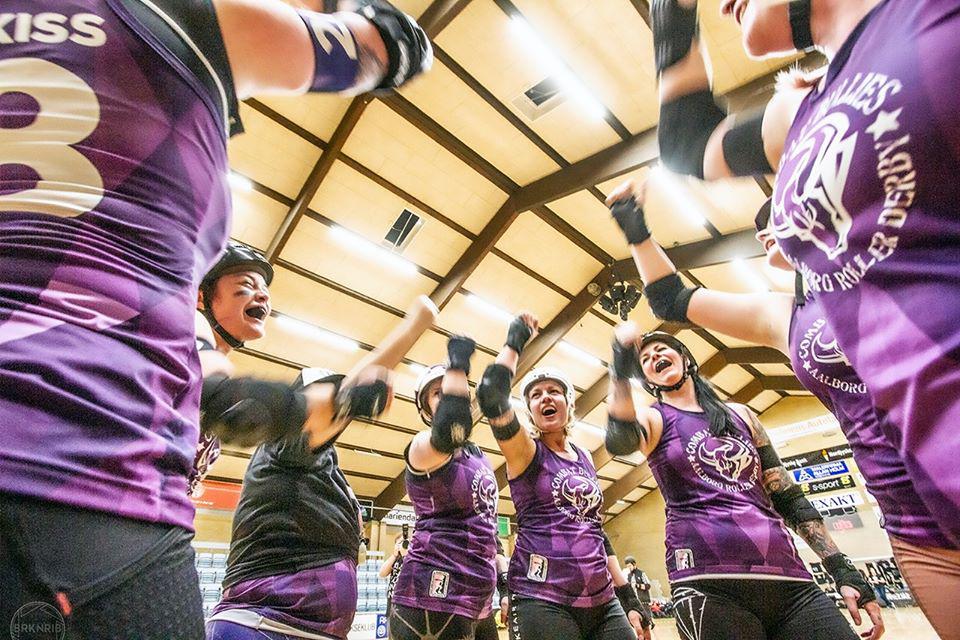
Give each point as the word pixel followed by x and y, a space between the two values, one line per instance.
pixel 683 559
pixel 577 495
pixel 731 459
pixel 485 494
pixel 849 128
pixel 439 582
pixel 820 354
pixel 537 571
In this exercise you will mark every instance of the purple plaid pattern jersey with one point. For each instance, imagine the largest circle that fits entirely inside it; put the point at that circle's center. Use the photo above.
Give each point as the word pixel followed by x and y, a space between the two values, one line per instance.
pixel 865 206
pixel 320 600
pixel 449 566
pixel 559 555
pixel 823 369
pixel 720 522
pixel 113 203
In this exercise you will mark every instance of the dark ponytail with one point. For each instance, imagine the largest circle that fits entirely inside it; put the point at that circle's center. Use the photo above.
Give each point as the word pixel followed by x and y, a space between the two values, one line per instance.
pixel 721 420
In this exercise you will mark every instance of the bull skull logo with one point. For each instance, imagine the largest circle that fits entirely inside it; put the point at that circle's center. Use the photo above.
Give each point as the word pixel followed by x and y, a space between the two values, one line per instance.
pixel 728 456
pixel 583 494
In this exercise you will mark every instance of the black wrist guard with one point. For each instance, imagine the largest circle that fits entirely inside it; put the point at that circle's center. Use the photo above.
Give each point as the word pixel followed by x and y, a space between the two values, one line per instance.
pixel 493 391
pixel 452 424
pixel 669 298
pixel 517 335
pixel 607 545
pixel 686 124
pixel 246 412
pixel 793 506
pixel 623 436
pixel 630 218
pixel 674 28
pixel 459 351
pixel 502 587
pixel 361 401
pixel 507 431
pixel 409 52
pixel 844 574
pixel 628 598
pixel 624 364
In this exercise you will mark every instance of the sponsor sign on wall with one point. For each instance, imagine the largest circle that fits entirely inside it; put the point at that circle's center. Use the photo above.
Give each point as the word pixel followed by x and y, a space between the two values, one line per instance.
pixel 830 484
pixel 817 457
pixel 217 495
pixel 820 471
pixel 840 501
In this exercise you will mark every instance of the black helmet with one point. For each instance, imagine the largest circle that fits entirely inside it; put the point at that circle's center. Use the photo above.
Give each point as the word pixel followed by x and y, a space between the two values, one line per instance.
pixel 236 255
pixel 674 343
pixel 630 560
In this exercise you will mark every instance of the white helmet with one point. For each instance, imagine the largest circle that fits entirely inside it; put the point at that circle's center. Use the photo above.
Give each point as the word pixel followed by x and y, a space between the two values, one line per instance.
pixel 432 373
pixel 547 373
pixel 315 374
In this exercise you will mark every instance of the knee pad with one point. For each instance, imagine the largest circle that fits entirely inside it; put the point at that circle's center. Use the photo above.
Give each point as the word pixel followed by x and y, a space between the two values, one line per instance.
pixel 686 124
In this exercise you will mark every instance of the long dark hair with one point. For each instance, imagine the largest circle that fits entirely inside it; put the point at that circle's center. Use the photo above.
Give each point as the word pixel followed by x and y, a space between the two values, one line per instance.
pixel 718 413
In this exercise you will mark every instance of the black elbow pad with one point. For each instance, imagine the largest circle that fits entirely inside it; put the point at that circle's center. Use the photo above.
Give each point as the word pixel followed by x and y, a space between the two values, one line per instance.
pixel 743 147
pixel 686 124
pixel 452 424
pixel 247 411
pixel 669 298
pixel 623 436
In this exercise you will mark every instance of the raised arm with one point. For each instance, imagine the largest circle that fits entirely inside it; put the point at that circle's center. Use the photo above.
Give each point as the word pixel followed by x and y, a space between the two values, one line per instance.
pixel 806 521
pixel 273 47
pixel 761 318
pixel 493 395
pixel 696 136
pixel 628 429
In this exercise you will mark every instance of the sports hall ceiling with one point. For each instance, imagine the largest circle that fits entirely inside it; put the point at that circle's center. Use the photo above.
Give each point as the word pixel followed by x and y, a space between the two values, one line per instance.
pixel 512 217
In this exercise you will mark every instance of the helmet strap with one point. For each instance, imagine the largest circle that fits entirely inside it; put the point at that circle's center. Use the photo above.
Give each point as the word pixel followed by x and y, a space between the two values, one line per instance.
pixel 214 324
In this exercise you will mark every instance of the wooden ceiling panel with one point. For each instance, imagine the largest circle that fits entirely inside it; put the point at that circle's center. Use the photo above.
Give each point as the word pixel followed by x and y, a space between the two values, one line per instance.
pixel 773 369
pixel 227 466
pixel 484 43
pixel 396 150
pixel 271 154
pixel 605 483
pixel 625 51
pixel 360 205
pixel 580 369
pixel 587 438
pixel 402 413
pixel 700 348
pixel 545 250
pixel 366 486
pixel 256 217
pixel 248 365
pixel 448 100
pixel 730 341
pixel 506 508
pixel 313 303
pixel 674 216
pixel 505 286
pixel 731 378
pixel 740 276
pixel 730 205
pixel 362 435
pixel 298 342
pixel 764 401
pixel 592 335
pixel 590 217
pixel 355 461
pixel 617 470
pixel 597 416
pixel 636 494
pixel 314 248
pixel 318 113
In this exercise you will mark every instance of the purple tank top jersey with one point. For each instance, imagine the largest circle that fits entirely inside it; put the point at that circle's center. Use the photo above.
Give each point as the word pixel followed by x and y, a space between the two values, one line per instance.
pixel 559 555
pixel 321 600
pixel 113 203
pixel 450 564
pixel 720 522
pixel 866 207
pixel 823 369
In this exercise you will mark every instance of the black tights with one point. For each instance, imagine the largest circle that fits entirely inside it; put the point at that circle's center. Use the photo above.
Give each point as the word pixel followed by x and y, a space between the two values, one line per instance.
pixel 407 623
pixel 534 619
pixel 732 609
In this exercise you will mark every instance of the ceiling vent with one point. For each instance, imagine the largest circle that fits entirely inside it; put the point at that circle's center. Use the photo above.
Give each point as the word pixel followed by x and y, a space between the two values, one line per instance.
pixel 540 99
pixel 403 230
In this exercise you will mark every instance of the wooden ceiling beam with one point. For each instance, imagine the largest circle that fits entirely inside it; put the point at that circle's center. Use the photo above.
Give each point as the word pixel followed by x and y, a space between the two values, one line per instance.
pixel 750 391
pixel 704 253
pixel 643 8
pixel 633 479
pixel 440 14
pixel 781 383
pixel 320 170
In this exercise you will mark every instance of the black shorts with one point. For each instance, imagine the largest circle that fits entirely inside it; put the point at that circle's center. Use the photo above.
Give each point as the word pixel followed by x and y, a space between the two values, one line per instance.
pixel 533 619
pixel 646 616
pixel 487 628
pixel 721 609
pixel 407 623
pixel 95 575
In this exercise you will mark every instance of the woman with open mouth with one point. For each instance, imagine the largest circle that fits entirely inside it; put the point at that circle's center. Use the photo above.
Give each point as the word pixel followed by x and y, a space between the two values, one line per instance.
pixel 564 578
pixel 733 568
pixel 796 326
pixel 864 201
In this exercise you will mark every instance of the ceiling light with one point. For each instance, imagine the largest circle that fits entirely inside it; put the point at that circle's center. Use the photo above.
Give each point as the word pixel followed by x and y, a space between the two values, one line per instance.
pixel 373 251
pixel 314 332
pixel 417 369
pixel 748 275
pixel 489 307
pixel 569 83
pixel 580 354
pixel 239 182
pixel 678 194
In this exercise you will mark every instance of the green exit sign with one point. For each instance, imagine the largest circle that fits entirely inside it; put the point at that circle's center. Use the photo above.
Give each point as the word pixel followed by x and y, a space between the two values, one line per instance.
pixel 503 526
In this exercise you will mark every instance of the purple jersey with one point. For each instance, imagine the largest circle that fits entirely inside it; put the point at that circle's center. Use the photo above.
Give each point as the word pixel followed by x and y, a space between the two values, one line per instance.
pixel 113 204
pixel 320 600
pixel 865 207
pixel 559 555
pixel 208 451
pixel 823 369
pixel 450 564
pixel 720 522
